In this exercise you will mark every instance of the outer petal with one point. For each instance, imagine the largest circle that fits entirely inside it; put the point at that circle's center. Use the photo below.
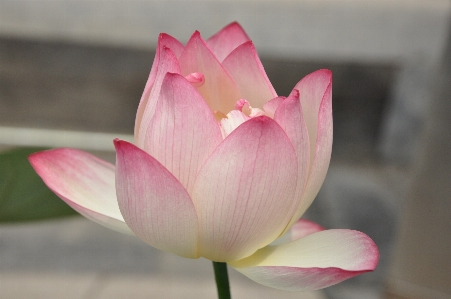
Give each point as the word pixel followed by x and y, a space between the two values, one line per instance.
pixel 316 100
pixel 164 40
pixel 244 191
pixel 167 63
pixel 316 261
pixel 226 40
pixel 300 229
pixel 154 204
pixel 290 117
pixel 84 182
pixel 244 65
pixel 184 131
pixel 219 89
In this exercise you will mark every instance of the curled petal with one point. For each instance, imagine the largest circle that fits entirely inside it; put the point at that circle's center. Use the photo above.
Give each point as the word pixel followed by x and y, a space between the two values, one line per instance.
pixel 290 117
pixel 300 229
pixel 84 182
pixel 244 65
pixel 226 40
pixel 164 41
pixel 219 89
pixel 316 261
pixel 184 131
pixel 271 106
pixel 244 191
pixel 316 100
pixel 154 204
pixel 167 63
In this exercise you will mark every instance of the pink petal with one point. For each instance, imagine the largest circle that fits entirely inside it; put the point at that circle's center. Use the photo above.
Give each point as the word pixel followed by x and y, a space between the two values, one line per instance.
pixel 290 117
pixel 244 65
pixel 316 261
pixel 167 63
pixel 300 229
pixel 271 106
pixel 154 204
pixel 219 89
pixel 303 228
pixel 244 191
pixel 183 132
pixel 164 40
pixel 316 100
pixel 226 40
pixel 233 120
pixel 84 182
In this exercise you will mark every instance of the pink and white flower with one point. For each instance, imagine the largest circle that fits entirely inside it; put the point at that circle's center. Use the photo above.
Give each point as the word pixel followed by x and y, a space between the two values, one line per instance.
pixel 221 168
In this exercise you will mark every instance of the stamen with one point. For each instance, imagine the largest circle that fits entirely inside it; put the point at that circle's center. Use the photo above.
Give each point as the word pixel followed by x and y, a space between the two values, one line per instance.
pixel 240 104
pixel 244 106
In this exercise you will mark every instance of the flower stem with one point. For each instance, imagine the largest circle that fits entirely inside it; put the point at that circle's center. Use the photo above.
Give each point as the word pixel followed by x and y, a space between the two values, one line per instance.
pixel 222 280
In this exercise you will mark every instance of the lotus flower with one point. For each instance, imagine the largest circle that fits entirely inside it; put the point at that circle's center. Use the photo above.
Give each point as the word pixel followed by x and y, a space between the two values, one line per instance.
pixel 221 168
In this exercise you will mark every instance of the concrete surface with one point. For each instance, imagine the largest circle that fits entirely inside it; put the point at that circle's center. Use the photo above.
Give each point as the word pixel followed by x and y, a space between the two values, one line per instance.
pixel 353 30
pixel 78 259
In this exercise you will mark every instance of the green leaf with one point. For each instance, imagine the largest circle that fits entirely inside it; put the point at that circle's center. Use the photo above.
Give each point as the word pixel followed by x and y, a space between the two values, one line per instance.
pixel 23 195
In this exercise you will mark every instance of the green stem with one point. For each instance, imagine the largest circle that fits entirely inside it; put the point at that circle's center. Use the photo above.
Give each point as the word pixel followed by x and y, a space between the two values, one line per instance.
pixel 222 280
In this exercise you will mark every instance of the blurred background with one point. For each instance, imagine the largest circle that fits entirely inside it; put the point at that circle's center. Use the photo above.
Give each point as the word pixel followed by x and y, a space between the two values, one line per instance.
pixel 72 74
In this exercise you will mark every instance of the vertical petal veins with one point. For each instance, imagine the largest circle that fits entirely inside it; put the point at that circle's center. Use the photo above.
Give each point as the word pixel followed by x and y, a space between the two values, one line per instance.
pixel 153 203
pixel 219 90
pixel 226 40
pixel 244 65
pixel 316 98
pixel 184 131
pixel 244 191
pixel 167 63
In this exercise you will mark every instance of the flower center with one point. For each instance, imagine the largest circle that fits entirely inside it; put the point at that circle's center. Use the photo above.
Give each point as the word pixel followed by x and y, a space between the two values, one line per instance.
pixel 243 112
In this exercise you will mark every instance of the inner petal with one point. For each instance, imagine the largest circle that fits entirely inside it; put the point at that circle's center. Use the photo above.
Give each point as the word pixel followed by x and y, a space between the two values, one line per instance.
pixel 233 119
pixel 243 112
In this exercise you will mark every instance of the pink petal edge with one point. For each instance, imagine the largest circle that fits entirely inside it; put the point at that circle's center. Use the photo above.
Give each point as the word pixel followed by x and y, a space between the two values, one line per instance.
pixel 84 182
pixel 167 63
pixel 300 229
pixel 246 69
pixel 219 90
pixel 183 132
pixel 164 40
pixel 316 261
pixel 246 204
pixel 322 79
pixel 290 117
pixel 155 206
pixel 226 40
